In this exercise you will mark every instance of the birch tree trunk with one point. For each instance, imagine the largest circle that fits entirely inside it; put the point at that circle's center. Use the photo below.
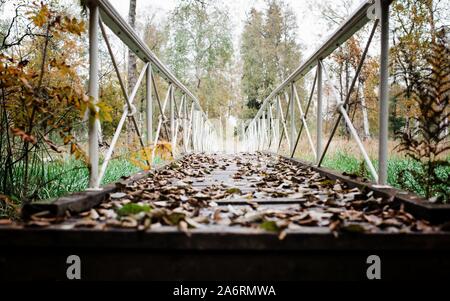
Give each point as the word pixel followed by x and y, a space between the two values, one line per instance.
pixel 365 117
pixel 131 68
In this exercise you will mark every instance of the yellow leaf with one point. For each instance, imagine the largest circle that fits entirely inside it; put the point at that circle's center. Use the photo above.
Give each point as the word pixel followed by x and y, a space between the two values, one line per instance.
pixel 164 150
pixel 104 111
pixel 41 17
pixel 78 153
pixel 67 139
pixel 141 158
pixel 72 25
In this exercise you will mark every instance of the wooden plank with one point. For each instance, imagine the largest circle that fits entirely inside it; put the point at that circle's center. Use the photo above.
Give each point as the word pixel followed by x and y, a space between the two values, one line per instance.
pixel 273 201
pixel 218 238
pixel 81 201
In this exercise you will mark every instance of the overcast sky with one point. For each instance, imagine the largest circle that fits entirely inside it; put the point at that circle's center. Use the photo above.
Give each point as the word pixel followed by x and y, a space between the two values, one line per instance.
pixel 311 31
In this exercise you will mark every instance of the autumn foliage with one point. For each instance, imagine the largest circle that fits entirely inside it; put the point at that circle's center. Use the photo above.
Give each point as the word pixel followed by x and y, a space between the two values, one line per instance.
pixel 42 96
pixel 429 140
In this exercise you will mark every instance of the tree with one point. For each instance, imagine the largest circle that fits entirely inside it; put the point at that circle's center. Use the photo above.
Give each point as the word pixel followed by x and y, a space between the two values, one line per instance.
pixel 155 36
pixel 409 47
pixel 132 66
pixel 200 49
pixel 42 96
pixel 428 142
pixel 416 23
pixel 345 61
pixel 253 75
pixel 269 51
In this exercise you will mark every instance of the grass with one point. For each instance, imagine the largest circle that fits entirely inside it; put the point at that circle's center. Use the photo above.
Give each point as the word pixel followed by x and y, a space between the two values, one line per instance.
pixel 62 177
pixel 343 155
pixel 402 172
pixel 72 176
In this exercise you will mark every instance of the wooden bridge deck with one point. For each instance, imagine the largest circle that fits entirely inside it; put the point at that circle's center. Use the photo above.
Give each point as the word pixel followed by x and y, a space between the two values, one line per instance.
pixel 240 216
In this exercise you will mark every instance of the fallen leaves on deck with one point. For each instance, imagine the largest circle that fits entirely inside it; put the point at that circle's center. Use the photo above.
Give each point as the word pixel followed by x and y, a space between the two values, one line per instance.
pixel 246 190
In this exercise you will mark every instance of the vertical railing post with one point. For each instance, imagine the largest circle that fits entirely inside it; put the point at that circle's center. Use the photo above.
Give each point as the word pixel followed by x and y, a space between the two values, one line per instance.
pixel 277 123
pixel 185 123
pixel 202 132
pixel 265 137
pixel 292 117
pixel 149 106
pixel 252 136
pixel 319 110
pixel 384 94
pixel 93 96
pixel 259 133
pixel 263 130
pixel 193 128
pixel 172 118
pixel 255 135
pixel 270 127
pixel 197 130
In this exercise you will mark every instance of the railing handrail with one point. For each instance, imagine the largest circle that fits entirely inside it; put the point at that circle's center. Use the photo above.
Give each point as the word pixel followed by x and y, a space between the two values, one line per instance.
pixel 377 10
pixel 352 24
pixel 111 18
pixel 102 13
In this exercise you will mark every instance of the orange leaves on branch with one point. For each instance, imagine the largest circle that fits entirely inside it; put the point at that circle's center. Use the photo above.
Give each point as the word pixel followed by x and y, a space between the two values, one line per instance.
pixel 24 136
pixel 62 66
pixel 41 17
pixel 73 26
pixel 141 157
pixel 79 154
pixel 164 150
pixel 14 76
pixel 100 110
pixel 42 92
pixel 67 139
pixel 66 24
pixel 104 111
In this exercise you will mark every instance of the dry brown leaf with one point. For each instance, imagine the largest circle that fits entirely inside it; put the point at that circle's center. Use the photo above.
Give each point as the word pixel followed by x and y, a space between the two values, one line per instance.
pixel 86 223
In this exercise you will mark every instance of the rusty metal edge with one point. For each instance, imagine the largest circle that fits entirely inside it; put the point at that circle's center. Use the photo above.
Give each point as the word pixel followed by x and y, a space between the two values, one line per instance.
pixel 414 204
pixel 85 200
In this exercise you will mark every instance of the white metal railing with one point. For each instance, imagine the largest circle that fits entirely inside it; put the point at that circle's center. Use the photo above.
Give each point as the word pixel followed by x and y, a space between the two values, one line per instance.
pixel 197 131
pixel 263 132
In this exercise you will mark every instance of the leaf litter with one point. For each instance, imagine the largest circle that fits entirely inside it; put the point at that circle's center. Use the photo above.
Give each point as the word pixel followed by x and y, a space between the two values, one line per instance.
pixel 199 190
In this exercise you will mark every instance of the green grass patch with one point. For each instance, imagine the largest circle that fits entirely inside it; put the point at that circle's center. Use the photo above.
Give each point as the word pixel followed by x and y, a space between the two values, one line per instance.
pixel 403 173
pixel 343 162
pixel 72 176
pixel 58 178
